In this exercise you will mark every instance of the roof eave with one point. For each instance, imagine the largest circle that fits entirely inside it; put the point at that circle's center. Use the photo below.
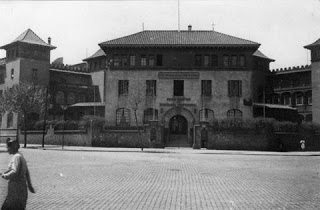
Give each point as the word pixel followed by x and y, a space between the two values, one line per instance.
pixel 90 58
pixel 177 45
pixel 4 47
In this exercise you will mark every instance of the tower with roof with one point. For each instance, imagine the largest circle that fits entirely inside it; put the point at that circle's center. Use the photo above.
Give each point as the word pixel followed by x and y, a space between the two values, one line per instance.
pixel 27 60
pixel 315 76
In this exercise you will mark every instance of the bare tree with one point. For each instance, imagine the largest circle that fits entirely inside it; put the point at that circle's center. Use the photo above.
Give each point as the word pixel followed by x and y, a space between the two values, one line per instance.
pixel 137 96
pixel 23 98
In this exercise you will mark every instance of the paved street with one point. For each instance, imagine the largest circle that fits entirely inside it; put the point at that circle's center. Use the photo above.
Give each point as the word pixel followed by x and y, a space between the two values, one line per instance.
pixel 115 178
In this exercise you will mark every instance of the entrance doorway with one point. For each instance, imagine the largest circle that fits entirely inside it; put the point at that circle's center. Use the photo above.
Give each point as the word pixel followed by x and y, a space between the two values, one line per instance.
pixel 178 128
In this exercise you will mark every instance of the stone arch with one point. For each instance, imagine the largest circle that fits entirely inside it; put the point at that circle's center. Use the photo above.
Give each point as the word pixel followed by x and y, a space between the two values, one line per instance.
pixel 178 111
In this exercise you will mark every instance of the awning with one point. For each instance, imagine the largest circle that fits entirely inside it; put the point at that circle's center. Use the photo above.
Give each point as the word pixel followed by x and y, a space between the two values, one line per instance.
pixel 88 104
pixel 274 106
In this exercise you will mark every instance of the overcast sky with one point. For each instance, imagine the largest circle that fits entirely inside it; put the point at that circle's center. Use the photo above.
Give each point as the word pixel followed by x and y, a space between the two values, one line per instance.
pixel 282 27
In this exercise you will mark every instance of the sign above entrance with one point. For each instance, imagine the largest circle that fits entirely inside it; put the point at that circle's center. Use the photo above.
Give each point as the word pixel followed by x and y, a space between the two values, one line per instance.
pixel 178 104
pixel 179 75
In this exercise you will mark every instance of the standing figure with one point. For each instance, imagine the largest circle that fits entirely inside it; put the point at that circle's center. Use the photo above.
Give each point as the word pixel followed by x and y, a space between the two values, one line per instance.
pixel 303 144
pixel 19 179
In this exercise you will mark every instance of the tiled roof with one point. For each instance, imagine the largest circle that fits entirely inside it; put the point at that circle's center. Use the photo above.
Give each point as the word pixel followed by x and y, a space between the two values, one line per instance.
pixel 258 53
pixel 97 54
pixel 31 38
pixel 178 38
pixel 316 43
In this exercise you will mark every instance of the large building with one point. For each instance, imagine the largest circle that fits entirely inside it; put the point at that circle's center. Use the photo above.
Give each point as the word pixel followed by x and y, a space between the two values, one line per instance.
pixel 184 77
pixel 175 78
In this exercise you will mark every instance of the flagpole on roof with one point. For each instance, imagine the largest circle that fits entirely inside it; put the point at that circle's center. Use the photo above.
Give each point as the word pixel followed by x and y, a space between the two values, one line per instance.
pixel 178 15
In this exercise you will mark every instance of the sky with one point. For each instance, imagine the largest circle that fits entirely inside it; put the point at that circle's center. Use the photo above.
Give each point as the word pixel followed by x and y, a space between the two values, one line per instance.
pixel 282 27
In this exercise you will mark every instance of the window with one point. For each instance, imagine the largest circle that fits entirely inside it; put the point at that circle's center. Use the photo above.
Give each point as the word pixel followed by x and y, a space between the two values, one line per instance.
pixel 234 87
pixel 309 97
pixel 150 114
pixel 34 75
pixel 234 113
pixel 151 60
pixel 206 87
pixel 124 60
pixel 82 97
pixel 143 60
pixel 286 99
pixel 100 64
pixel 60 97
pixel 299 99
pixel 10 120
pixel 95 65
pixel 116 60
pixel 71 98
pixel 215 60
pixel 276 99
pixel 123 117
pixel 225 61
pixel 234 60
pixel 132 60
pixel 178 86
pixel 12 73
pixel 123 87
pixel 206 114
pixel 0 120
pixel 151 88
pixel 159 60
pixel 206 60
pixel 242 61
pixel 197 60
pixel 1 78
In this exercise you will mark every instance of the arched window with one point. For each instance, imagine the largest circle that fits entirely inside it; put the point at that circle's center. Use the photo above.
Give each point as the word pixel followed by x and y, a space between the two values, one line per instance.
pixel 123 117
pixel 10 120
pixel 206 114
pixel 60 97
pixel 299 99
pixel 234 113
pixel 150 114
pixel 71 98
pixel 286 99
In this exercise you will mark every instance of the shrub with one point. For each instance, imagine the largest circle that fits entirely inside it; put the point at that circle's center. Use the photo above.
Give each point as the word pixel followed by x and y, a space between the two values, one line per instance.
pixel 289 127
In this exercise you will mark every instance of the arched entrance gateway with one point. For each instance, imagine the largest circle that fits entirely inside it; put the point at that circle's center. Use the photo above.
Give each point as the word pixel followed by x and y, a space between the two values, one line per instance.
pixel 178 123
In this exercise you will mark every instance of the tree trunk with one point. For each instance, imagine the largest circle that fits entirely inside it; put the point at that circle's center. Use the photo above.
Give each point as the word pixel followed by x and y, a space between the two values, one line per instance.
pixel 140 138
pixel 25 129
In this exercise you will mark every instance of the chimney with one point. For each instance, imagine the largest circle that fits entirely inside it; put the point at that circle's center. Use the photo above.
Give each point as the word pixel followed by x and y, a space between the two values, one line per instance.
pixel 189 27
pixel 49 40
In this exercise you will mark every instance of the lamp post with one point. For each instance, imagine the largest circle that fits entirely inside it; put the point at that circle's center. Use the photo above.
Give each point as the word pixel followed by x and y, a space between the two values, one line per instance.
pixel 64 107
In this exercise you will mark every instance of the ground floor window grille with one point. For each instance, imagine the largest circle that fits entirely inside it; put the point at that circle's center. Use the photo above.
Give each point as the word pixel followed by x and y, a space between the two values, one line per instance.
pixel 234 113
pixel 123 117
pixel 206 114
pixel 150 114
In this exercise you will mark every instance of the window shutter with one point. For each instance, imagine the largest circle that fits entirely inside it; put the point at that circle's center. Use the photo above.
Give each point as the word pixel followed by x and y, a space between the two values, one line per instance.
pixel 240 88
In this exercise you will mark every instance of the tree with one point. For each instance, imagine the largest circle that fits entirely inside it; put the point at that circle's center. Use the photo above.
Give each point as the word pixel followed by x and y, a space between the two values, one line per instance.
pixel 136 97
pixel 23 98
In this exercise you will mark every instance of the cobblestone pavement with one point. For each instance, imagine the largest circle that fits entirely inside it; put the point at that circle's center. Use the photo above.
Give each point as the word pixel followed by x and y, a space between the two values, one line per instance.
pixel 110 178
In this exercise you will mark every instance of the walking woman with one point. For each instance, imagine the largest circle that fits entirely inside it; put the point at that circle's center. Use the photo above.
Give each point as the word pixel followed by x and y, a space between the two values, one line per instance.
pixel 19 179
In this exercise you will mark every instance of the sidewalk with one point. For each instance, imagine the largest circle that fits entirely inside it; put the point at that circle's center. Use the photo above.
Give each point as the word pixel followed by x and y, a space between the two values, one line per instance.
pixel 182 150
